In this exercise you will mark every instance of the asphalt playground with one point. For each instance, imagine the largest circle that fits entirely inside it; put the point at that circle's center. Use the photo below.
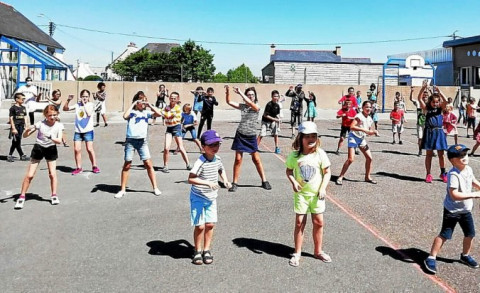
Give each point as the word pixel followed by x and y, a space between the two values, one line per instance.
pixel 377 235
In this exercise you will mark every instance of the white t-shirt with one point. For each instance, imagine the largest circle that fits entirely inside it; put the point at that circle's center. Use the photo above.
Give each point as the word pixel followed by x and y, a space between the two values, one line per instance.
pixel 45 133
pixel 462 181
pixel 83 123
pixel 137 124
pixel 30 92
pixel 364 123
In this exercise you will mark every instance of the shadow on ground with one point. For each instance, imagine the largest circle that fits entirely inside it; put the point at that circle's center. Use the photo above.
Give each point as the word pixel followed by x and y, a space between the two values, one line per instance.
pixel 400 177
pixel 28 197
pixel 261 246
pixel 176 249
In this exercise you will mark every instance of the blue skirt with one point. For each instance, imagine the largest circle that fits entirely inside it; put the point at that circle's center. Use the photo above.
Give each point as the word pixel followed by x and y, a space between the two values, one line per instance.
pixel 434 139
pixel 245 143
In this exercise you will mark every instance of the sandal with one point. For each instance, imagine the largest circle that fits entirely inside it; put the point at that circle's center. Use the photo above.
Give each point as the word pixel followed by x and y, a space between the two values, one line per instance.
pixel 339 181
pixel 197 258
pixel 207 257
pixel 295 260
pixel 371 181
pixel 323 257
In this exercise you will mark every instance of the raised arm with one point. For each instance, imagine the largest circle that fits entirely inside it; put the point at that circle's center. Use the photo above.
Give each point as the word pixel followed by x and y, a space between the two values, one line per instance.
pixel 420 93
pixel 247 100
pixel 228 98
pixel 66 107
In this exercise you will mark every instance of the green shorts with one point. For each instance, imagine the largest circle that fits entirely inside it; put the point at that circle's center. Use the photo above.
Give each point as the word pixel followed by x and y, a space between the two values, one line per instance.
pixel 308 205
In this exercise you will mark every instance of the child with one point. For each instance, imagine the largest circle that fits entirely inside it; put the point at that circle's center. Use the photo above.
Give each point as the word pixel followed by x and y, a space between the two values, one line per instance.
pixel 462 108
pixel 173 120
pixel 361 126
pixel 401 101
pixel 471 115
pixel 203 195
pixel 189 121
pixel 450 122
pixel 160 102
pixel 18 121
pixel 197 100
pixel 420 118
pixel 457 207
pixel 296 106
pixel 48 136
pixel 476 138
pixel 137 140
pixel 359 100
pixel 311 112
pixel 100 109
pixel 209 101
pixel 434 138
pixel 397 116
pixel 348 115
pixel 55 100
pixel 374 112
pixel 271 120
pixel 83 130
pixel 308 170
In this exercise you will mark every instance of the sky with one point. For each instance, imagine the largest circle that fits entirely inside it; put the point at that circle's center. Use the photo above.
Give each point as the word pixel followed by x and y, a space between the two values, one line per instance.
pixel 323 23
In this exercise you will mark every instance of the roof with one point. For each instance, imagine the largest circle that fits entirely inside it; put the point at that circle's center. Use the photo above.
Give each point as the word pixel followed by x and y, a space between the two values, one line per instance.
pixel 462 42
pixel 160 47
pixel 356 60
pixel 304 56
pixel 14 25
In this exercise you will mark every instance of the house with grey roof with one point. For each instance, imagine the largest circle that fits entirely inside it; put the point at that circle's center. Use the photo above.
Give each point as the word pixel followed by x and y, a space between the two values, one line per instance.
pixel 26 51
pixel 321 67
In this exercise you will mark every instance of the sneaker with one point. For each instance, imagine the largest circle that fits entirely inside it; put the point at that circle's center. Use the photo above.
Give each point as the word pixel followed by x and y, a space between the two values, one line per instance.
pixel 468 260
pixel 295 260
pixel 431 265
pixel 444 177
pixel 189 167
pixel 323 257
pixel 10 159
pixel 357 152
pixel 120 194
pixel 106 124
pixel 24 158
pixel 429 178
pixel 77 171
pixel 266 185
pixel 393 142
pixel 20 202
pixel 165 170
pixel 233 188
pixel 277 150
pixel 157 192
pixel 54 200
pixel 400 142
pixel 95 170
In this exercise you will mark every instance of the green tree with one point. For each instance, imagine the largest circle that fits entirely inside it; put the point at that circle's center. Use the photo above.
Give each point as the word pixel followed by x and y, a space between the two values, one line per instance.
pixel 92 78
pixel 197 63
pixel 220 78
pixel 241 74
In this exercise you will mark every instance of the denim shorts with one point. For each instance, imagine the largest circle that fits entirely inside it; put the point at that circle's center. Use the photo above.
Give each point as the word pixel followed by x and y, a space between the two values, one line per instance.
pixel 192 131
pixel 450 220
pixel 87 136
pixel 202 210
pixel 355 142
pixel 138 144
pixel 175 130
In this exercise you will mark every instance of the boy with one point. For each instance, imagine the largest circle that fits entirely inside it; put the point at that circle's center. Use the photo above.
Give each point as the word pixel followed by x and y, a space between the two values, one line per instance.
pixel 457 205
pixel 348 115
pixel 209 101
pixel 271 119
pixel 17 120
pixel 359 100
pixel 471 115
pixel 100 96
pixel 296 106
pixel 397 116
pixel 203 194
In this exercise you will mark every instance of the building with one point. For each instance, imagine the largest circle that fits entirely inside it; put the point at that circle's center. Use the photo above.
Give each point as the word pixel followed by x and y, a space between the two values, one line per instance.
pixel 466 64
pixel 25 50
pixel 322 67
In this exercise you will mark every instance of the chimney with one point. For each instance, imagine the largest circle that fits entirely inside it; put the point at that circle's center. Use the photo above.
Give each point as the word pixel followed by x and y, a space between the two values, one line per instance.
pixel 338 51
pixel 272 49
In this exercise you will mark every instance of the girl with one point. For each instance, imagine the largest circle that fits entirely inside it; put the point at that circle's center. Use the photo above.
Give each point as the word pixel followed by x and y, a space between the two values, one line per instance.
pixel 311 112
pixel 49 134
pixel 197 100
pixel 434 138
pixel 100 109
pixel 361 126
pixel 189 121
pixel 137 133
pixel 308 170
pixel 18 121
pixel 476 138
pixel 173 117
pixel 83 130
pixel 160 103
pixel 55 100
pixel 450 122
pixel 471 115
pixel 245 138
pixel 462 108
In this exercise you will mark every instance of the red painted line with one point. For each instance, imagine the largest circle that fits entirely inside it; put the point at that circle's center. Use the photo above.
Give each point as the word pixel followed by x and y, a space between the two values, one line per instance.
pixel 442 284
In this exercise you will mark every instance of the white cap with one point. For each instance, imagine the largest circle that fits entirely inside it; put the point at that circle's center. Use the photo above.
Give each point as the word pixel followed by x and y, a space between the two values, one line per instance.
pixel 308 127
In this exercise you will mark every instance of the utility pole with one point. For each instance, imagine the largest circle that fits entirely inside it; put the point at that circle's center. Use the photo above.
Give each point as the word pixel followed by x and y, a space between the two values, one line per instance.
pixel 51 28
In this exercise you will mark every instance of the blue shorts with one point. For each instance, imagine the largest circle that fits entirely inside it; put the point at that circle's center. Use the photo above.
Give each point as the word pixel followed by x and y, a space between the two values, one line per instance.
pixel 355 141
pixel 202 210
pixel 87 136
pixel 138 144
pixel 192 131
pixel 450 220
pixel 175 130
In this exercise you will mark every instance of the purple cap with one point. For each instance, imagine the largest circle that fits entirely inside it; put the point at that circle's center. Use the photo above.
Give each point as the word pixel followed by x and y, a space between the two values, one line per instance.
pixel 210 137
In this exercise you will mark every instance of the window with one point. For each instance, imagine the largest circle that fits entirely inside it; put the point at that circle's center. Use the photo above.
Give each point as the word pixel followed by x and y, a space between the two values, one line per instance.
pixel 465 76
pixel 477 76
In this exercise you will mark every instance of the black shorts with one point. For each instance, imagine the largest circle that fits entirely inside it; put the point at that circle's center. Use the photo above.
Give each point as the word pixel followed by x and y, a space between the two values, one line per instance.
pixel 49 153
pixel 471 122
pixel 344 130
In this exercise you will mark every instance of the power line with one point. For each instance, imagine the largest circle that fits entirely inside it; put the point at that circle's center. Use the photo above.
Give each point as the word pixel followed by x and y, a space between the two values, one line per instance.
pixel 253 44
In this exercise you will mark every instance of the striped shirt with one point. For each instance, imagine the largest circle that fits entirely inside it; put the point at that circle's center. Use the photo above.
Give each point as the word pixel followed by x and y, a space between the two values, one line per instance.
pixel 173 116
pixel 206 170
pixel 248 122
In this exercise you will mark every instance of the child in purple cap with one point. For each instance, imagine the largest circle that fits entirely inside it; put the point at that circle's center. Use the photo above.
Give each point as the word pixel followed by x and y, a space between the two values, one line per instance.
pixel 457 207
pixel 203 195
